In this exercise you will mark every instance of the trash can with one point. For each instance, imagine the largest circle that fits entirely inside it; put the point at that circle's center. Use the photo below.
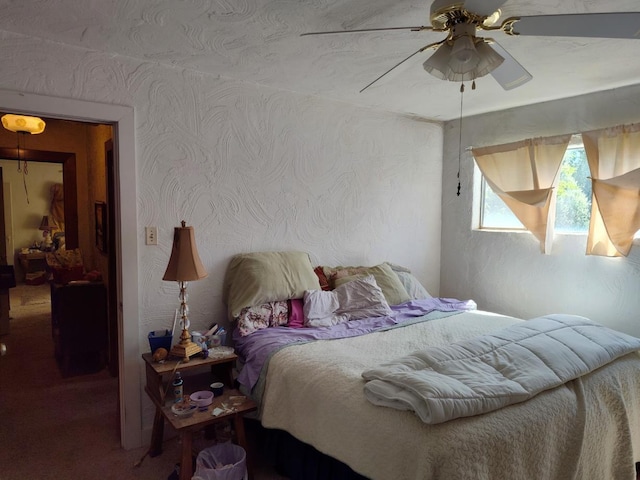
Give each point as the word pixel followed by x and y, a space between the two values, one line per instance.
pixel 224 461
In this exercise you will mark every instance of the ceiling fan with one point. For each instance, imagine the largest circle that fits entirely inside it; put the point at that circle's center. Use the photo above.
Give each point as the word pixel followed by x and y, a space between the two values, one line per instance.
pixel 463 56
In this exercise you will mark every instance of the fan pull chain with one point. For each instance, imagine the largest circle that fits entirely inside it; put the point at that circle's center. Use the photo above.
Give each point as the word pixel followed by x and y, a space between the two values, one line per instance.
pixel 24 169
pixel 473 86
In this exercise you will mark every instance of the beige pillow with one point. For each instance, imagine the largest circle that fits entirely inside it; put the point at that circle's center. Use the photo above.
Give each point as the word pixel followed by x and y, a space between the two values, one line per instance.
pixel 261 277
pixel 386 278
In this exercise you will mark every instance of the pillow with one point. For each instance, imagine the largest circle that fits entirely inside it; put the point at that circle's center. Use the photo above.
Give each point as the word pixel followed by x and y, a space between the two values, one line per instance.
pixel 65 265
pixel 279 314
pixel 320 308
pixel 272 314
pixel 296 313
pixel 413 286
pixel 64 258
pixel 359 298
pixel 252 319
pixel 322 278
pixel 398 268
pixel 262 277
pixel 386 279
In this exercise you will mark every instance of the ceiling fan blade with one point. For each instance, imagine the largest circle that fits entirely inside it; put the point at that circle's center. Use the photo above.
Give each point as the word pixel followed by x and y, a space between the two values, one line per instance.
pixel 431 45
pixel 598 25
pixel 483 7
pixel 509 74
pixel 364 30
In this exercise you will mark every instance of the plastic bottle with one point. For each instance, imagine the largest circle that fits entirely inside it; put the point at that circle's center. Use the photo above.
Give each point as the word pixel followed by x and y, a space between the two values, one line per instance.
pixel 223 336
pixel 177 388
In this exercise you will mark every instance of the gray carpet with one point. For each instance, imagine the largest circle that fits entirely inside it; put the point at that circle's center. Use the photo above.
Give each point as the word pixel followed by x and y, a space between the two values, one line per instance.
pixel 64 428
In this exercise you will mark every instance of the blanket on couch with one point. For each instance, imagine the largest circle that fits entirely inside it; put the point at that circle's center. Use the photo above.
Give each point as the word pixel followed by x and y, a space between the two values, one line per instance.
pixel 491 371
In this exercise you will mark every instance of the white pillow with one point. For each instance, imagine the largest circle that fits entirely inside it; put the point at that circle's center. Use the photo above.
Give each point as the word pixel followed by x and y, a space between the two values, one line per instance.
pixel 360 298
pixel 319 309
pixel 413 287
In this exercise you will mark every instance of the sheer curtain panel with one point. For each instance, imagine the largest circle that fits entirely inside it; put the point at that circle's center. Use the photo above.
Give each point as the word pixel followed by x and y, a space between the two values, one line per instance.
pixel 614 160
pixel 523 174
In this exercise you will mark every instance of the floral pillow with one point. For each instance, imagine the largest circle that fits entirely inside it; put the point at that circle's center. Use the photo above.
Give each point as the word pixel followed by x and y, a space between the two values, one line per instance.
pixel 271 314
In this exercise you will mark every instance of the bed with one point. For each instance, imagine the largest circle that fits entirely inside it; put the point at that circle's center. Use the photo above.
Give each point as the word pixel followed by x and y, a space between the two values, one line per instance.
pixel 308 379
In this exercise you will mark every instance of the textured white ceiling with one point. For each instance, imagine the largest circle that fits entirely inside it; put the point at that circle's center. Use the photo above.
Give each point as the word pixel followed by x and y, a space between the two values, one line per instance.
pixel 258 41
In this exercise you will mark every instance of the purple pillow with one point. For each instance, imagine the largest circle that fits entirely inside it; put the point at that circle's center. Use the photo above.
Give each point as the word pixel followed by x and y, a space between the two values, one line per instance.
pixel 296 315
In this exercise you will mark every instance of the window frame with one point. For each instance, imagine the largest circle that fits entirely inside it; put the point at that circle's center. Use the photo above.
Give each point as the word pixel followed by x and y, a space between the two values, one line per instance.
pixel 575 143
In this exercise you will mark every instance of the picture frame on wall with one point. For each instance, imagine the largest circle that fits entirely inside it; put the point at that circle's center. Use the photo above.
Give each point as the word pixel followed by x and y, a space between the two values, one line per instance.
pixel 101 226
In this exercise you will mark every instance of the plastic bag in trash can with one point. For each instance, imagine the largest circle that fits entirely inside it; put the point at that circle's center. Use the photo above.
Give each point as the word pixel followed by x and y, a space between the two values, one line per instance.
pixel 224 461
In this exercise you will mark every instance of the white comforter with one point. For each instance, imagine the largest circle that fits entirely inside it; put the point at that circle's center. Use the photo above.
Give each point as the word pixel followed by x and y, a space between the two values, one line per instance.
pixel 491 371
pixel 588 428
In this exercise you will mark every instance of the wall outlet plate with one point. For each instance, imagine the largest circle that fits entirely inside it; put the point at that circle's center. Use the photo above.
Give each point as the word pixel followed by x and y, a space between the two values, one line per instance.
pixel 151 235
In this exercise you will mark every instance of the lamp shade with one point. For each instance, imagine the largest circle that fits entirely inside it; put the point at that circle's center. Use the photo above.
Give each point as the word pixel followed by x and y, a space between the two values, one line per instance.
pixel 23 123
pixel 464 56
pixel 438 63
pixel 45 224
pixel 489 58
pixel 185 264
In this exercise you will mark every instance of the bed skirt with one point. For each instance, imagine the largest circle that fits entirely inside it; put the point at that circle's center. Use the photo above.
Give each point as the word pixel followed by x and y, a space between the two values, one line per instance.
pixel 299 461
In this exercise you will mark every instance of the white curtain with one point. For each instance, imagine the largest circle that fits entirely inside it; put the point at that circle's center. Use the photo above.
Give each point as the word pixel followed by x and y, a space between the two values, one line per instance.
pixel 614 160
pixel 524 175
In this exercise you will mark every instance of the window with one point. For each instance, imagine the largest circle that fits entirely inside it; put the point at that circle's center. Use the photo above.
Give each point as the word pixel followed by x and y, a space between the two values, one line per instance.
pixel 573 201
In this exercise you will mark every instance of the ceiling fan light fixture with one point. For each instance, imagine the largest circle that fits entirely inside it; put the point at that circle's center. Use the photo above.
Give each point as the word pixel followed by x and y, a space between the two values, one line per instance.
pixel 463 54
pixel 489 59
pixel 438 63
pixel 444 65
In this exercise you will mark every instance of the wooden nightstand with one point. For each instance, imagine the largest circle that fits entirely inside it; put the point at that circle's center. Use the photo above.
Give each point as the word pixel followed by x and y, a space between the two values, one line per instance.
pixel 159 376
pixel 32 262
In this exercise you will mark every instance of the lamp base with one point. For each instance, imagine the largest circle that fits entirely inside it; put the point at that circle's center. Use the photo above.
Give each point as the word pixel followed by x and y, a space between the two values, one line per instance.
pixel 185 350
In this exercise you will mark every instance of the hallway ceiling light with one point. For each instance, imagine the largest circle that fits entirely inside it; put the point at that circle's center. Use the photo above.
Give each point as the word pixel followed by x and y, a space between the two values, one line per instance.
pixel 23 124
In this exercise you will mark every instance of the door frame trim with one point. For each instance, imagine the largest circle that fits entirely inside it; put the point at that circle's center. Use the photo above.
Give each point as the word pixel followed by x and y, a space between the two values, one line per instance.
pixel 122 119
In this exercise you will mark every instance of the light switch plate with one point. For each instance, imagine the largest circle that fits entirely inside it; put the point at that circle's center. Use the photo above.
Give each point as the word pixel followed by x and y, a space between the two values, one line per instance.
pixel 151 235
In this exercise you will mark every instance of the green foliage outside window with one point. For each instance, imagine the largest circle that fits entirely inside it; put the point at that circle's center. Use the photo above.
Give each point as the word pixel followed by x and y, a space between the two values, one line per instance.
pixel 573 201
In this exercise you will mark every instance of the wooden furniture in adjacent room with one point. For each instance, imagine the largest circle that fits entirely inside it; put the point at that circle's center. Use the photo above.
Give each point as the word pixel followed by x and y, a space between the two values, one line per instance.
pixel 32 263
pixel 79 325
pixel 160 375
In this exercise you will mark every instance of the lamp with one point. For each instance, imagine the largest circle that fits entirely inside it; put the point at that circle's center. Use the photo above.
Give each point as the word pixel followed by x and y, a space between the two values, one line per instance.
pixel 184 266
pixel 463 57
pixel 46 228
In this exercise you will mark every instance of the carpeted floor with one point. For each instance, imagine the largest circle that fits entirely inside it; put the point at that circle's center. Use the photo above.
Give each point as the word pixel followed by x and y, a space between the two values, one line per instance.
pixel 30 295
pixel 65 428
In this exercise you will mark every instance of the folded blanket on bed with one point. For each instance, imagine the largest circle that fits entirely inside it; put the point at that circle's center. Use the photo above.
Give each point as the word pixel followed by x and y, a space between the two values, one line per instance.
pixel 491 371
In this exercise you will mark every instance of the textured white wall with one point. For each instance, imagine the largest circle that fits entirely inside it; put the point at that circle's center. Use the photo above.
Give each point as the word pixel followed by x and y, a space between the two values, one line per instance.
pixel 251 169
pixel 505 272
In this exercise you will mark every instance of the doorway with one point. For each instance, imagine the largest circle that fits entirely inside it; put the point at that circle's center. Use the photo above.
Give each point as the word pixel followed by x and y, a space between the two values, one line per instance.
pixel 125 252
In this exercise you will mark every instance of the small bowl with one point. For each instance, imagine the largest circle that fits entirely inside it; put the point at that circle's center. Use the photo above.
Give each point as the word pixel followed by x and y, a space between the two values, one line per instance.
pixel 184 410
pixel 202 398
